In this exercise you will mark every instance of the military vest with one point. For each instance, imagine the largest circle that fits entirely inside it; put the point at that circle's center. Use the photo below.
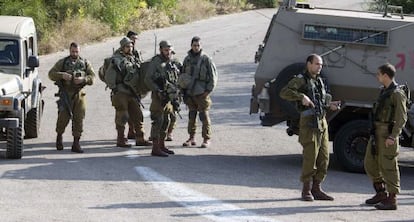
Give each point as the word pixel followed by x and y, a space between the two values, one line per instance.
pixel 383 108
pixel 316 91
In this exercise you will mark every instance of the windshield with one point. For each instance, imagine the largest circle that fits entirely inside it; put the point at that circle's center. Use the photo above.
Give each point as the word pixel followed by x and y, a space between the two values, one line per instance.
pixel 9 52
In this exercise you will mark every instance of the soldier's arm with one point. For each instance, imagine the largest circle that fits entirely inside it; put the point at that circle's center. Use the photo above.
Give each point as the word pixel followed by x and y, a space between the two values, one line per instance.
pixel 90 74
pixel 400 113
pixel 291 91
pixel 212 71
pixel 55 73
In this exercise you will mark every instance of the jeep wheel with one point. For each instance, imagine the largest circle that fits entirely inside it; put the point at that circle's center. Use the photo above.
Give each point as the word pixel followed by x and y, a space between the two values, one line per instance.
pixel 350 144
pixel 32 124
pixel 15 140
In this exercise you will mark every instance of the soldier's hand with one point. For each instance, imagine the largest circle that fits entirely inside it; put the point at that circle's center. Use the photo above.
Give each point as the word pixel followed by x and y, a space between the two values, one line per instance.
pixel 335 105
pixel 79 80
pixel 66 76
pixel 307 102
pixel 389 142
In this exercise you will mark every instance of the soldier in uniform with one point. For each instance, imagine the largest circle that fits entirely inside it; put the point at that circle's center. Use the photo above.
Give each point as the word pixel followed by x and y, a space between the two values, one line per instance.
pixel 309 91
pixel 161 78
pixel 121 77
pixel 72 73
pixel 140 130
pixel 202 74
pixel 389 115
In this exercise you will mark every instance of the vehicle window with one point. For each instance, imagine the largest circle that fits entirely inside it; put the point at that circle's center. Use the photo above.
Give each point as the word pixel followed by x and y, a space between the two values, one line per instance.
pixel 348 35
pixel 9 52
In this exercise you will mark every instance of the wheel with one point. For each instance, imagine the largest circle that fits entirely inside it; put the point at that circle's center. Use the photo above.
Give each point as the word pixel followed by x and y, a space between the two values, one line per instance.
pixel 32 124
pixel 350 144
pixel 14 148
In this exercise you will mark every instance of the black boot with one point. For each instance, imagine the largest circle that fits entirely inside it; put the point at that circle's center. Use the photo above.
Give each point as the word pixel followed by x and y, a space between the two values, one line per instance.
pixel 390 203
pixel 318 193
pixel 164 148
pixel 379 196
pixel 76 148
pixel 306 192
pixel 59 142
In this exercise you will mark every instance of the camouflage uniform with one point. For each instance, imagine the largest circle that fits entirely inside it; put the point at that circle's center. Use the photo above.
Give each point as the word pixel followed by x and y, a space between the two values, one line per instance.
pixel 389 115
pixel 75 93
pixel 204 79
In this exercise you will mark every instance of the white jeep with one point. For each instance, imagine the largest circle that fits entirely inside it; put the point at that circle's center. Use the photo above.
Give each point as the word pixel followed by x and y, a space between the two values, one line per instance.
pixel 21 103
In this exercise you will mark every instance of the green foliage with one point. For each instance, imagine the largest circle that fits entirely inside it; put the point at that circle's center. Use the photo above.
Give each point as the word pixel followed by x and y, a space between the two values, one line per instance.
pixel 264 3
pixel 408 5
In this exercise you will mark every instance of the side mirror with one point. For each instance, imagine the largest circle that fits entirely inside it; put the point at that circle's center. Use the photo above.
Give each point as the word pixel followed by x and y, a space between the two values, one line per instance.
pixel 33 61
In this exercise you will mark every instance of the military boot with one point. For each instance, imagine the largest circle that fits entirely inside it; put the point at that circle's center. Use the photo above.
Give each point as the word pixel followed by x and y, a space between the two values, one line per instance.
pixel 59 142
pixel 306 192
pixel 164 148
pixel 389 203
pixel 140 141
pixel 131 133
pixel 379 196
pixel 156 151
pixel 169 137
pixel 190 142
pixel 76 148
pixel 120 140
pixel 318 193
pixel 206 143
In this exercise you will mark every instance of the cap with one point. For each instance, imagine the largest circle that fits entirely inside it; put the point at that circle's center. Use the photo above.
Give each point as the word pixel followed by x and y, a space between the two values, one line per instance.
pixel 165 44
pixel 124 41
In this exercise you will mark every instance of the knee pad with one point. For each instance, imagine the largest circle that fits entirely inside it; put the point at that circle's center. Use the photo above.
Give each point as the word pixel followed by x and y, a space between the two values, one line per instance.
pixel 202 116
pixel 192 114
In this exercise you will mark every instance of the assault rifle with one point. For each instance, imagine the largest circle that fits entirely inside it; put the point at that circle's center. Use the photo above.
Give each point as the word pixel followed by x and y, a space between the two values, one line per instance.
pixel 372 134
pixel 63 102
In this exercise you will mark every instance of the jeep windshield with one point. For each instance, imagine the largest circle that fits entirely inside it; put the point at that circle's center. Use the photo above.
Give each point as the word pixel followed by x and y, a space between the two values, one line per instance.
pixel 9 52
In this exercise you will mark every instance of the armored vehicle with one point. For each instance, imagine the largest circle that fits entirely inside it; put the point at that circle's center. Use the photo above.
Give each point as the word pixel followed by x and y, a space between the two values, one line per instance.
pixel 21 101
pixel 353 44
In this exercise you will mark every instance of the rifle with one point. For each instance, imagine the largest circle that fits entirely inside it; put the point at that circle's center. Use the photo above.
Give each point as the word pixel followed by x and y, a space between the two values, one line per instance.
pixel 134 94
pixel 64 101
pixel 317 110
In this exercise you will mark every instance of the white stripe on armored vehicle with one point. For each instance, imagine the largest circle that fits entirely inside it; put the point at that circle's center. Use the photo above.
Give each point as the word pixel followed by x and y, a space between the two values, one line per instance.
pixel 353 44
pixel 21 101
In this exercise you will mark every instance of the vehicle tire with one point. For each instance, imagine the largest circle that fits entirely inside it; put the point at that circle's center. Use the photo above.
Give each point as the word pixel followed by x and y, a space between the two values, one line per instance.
pixel 282 80
pixel 33 119
pixel 14 148
pixel 350 145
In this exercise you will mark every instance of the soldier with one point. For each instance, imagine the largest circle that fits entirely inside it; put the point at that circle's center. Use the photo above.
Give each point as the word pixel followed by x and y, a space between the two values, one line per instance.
pixel 309 91
pixel 121 77
pixel 389 115
pixel 161 78
pixel 198 80
pixel 71 74
pixel 131 130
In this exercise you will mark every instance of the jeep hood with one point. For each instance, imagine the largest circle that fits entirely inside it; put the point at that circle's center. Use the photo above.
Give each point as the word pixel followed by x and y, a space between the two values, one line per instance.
pixel 10 84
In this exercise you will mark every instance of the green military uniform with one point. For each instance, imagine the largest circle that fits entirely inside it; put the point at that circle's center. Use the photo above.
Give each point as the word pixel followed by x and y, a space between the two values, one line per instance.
pixel 121 78
pixel 390 115
pixel 75 93
pixel 135 112
pixel 160 72
pixel 203 73
pixel 313 135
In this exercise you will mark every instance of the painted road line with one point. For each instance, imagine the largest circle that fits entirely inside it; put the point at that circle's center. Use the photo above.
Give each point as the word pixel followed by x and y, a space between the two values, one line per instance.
pixel 197 202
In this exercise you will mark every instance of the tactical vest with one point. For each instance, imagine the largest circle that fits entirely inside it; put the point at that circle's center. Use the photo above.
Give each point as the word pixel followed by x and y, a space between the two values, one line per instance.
pixel 316 91
pixel 77 68
pixel 383 108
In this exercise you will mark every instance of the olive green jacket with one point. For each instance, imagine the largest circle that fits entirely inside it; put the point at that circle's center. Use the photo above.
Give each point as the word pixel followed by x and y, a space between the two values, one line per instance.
pixel 203 72
pixel 392 109
pixel 72 67
pixel 160 69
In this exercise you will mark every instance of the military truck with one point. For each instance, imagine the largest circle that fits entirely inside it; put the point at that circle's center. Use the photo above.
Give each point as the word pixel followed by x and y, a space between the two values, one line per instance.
pixel 21 103
pixel 353 44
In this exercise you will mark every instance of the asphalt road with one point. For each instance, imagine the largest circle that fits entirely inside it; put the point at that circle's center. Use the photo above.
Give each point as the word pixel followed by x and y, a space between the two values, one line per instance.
pixel 250 173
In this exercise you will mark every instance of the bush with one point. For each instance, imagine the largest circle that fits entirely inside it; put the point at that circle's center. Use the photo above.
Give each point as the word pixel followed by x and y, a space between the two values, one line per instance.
pixel 264 3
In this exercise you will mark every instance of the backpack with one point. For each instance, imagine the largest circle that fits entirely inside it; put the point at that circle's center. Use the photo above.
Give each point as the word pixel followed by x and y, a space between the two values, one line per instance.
pixel 103 69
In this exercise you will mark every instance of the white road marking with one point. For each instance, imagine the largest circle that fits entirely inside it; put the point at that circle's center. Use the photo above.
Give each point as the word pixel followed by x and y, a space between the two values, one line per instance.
pixel 197 202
